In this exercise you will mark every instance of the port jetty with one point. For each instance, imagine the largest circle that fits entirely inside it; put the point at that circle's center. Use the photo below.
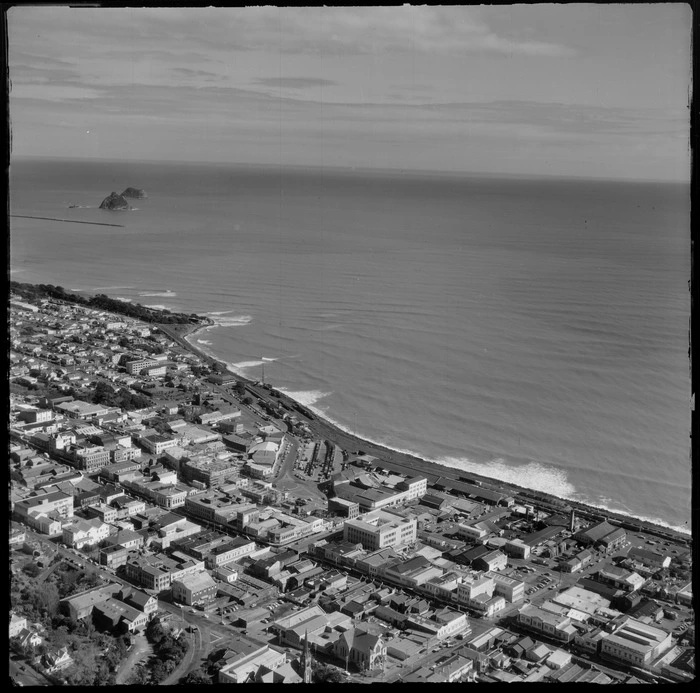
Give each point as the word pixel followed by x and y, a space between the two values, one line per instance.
pixel 405 463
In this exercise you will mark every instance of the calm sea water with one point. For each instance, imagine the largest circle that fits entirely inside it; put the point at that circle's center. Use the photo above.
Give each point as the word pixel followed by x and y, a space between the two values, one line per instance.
pixel 531 330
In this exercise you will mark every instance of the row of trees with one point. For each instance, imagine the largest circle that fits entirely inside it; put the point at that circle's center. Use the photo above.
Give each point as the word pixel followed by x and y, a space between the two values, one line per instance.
pixel 103 302
pixel 104 393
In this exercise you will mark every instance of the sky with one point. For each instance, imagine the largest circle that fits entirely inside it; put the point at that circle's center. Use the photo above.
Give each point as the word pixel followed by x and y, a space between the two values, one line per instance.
pixel 583 90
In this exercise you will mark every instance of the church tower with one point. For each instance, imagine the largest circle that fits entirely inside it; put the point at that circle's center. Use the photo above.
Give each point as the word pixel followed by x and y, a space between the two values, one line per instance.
pixel 306 660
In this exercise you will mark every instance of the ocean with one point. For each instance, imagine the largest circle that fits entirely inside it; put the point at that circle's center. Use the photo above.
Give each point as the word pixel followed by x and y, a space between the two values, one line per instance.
pixel 532 330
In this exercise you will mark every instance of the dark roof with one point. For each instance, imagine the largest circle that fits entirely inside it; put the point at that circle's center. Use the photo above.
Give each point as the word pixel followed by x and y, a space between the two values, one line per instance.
pixel 542 535
pixel 470 490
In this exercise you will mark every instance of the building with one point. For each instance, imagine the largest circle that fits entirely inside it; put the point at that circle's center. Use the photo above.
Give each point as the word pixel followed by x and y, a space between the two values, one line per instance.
pixel 85 533
pixel 379 529
pixel 365 650
pixel 243 666
pixel 491 561
pixel 44 504
pixel 635 643
pixel 620 578
pixel 312 625
pixel 81 605
pixel 90 458
pixel 192 589
pixel 537 620
pixel 127 538
pixel 138 366
pixel 157 444
pixel 512 589
pixel 114 556
pixel 603 534
pixel 17 624
pixel 344 508
pixel 120 616
pixel 77 409
pixel 517 548
pixel 168 496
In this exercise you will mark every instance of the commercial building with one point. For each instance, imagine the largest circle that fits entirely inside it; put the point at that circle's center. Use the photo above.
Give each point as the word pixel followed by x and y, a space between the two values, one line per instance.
pixel 379 529
pixel 537 620
pixel 136 367
pixel 58 502
pixel 85 533
pixel 90 459
pixel 244 665
pixel 192 589
pixel 635 643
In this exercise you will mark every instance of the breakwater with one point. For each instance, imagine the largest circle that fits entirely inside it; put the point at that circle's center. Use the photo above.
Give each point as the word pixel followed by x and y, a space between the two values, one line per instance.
pixel 68 221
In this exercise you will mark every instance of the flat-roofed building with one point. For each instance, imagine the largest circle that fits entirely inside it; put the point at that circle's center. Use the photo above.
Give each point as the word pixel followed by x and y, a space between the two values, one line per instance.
pixel 137 366
pixel 90 458
pixel 581 599
pixel 77 409
pixel 192 589
pixel 344 508
pixel 55 502
pixel 538 620
pixel 168 496
pixel 114 556
pixel 512 589
pixel 636 643
pixel 247 663
pixel 157 444
pixel 379 529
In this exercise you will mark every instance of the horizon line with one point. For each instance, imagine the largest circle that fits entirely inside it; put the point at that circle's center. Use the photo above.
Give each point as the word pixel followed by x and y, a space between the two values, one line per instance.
pixel 363 169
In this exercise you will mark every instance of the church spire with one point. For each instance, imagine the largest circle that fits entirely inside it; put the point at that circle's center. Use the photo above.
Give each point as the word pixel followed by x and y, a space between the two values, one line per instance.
pixel 306 659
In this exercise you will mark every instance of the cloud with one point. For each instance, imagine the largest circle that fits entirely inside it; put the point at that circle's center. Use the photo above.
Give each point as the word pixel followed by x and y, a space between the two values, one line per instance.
pixel 287 30
pixel 198 74
pixel 295 82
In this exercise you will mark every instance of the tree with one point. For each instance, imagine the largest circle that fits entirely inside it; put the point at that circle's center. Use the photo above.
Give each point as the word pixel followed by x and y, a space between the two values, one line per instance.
pixel 197 677
pixel 31 569
pixel 323 673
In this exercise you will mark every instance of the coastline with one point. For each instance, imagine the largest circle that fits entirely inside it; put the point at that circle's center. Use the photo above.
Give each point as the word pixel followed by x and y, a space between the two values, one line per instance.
pixel 413 464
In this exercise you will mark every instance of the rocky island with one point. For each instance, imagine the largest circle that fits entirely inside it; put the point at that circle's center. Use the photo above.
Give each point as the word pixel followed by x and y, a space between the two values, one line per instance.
pixel 114 202
pixel 137 193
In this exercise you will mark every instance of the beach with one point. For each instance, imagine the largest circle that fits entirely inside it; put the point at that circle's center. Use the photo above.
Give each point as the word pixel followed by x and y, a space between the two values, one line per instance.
pixel 531 331
pixel 416 466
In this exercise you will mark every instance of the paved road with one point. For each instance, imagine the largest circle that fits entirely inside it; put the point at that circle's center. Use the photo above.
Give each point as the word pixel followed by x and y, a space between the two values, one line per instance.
pixel 139 651
pixel 27 676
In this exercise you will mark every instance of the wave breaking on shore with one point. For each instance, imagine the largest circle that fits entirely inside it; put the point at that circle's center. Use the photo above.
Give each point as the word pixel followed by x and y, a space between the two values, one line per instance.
pixel 534 476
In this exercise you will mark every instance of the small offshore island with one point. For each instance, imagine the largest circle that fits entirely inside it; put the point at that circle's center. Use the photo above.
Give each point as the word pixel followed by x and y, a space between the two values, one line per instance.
pixel 162 502
pixel 114 201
